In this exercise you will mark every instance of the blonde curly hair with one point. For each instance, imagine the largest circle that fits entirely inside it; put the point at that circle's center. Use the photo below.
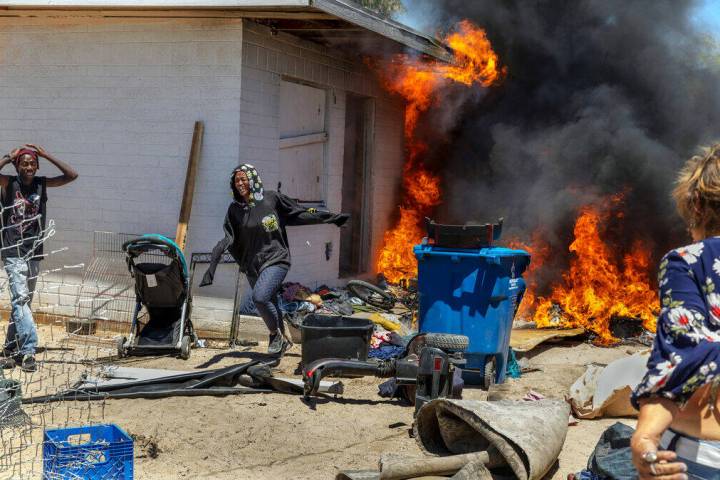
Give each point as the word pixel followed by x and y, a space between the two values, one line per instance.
pixel 697 191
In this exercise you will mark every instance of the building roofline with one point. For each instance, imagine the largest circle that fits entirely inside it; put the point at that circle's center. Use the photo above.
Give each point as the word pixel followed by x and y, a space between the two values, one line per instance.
pixel 339 9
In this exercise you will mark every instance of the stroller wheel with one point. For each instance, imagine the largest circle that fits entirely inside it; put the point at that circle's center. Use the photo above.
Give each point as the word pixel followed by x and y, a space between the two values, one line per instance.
pixel 185 347
pixel 120 342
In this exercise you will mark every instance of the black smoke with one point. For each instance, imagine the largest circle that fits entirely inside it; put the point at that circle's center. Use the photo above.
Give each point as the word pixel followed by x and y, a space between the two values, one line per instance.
pixel 602 96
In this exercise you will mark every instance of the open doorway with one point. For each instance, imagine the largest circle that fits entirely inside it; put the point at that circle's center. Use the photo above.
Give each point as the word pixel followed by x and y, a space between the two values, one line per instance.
pixel 355 239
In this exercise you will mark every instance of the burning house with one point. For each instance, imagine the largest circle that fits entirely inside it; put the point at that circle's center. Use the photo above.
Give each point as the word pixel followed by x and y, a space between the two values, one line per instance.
pixel 116 86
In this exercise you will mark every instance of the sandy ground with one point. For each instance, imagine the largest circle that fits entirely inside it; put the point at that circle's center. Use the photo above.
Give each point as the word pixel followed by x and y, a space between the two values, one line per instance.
pixel 276 436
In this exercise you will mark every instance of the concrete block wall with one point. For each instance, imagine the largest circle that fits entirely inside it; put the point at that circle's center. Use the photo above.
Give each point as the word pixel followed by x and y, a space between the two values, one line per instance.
pixel 269 58
pixel 117 98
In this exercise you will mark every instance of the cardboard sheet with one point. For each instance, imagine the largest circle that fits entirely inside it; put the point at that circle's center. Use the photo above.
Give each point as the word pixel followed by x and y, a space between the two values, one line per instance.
pixel 525 339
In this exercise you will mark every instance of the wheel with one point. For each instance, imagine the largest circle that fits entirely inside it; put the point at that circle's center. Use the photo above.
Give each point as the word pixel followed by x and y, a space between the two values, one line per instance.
pixel 120 343
pixel 447 342
pixel 489 373
pixel 185 347
pixel 371 294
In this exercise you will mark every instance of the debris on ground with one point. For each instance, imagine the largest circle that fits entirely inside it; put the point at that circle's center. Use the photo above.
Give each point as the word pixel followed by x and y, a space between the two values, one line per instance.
pixel 244 378
pixel 606 390
pixel 146 446
pixel 468 439
pixel 612 457
pixel 527 338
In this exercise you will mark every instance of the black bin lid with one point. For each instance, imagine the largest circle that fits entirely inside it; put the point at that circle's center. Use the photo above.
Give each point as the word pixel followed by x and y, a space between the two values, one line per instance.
pixel 470 235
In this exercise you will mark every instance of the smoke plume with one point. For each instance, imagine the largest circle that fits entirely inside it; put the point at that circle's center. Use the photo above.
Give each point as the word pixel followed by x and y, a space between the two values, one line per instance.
pixel 602 96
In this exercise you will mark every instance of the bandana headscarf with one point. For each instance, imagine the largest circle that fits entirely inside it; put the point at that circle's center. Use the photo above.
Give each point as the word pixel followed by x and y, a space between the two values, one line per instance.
pixel 256 186
pixel 26 151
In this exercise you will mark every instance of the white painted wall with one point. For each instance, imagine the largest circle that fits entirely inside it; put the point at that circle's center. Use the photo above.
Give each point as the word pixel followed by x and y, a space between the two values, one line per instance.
pixel 117 98
pixel 267 59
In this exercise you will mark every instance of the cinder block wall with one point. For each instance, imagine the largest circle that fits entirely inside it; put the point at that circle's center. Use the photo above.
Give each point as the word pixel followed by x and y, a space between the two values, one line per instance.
pixel 117 98
pixel 267 59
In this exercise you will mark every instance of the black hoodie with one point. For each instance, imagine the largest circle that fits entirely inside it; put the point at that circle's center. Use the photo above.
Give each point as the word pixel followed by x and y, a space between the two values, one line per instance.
pixel 255 233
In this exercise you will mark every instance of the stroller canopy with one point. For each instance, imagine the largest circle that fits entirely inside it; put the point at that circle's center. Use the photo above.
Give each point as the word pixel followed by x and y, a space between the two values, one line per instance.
pixel 154 241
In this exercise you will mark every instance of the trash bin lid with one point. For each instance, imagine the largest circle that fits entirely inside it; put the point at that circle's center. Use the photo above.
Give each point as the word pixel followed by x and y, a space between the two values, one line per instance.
pixel 488 252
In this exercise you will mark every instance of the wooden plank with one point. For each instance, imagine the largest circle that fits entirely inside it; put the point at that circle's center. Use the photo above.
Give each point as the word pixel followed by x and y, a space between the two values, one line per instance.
pixel 301 140
pixel 186 207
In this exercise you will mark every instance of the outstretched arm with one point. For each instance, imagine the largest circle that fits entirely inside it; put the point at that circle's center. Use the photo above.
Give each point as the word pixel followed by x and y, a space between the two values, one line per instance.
pixel 295 214
pixel 215 257
pixel 218 250
pixel 68 173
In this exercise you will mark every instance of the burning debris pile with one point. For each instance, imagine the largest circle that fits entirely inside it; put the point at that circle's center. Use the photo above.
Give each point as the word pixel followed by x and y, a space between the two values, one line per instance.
pixel 598 287
pixel 591 100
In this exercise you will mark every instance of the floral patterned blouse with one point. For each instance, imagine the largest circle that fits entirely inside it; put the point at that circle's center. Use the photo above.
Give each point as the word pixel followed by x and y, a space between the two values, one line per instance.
pixel 686 352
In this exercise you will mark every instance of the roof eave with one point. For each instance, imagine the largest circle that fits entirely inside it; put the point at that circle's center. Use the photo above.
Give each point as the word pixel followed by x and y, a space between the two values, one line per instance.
pixel 387 28
pixel 340 9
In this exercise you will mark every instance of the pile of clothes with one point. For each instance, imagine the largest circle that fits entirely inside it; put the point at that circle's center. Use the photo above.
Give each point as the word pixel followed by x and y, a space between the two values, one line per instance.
pixel 298 300
pixel 385 345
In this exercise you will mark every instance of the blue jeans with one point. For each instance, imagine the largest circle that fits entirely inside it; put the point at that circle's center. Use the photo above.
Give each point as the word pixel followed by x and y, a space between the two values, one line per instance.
pixel 710 451
pixel 22 336
pixel 265 289
pixel 695 471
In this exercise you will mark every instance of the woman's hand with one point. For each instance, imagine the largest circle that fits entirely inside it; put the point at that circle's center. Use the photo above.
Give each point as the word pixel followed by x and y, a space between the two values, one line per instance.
pixel 663 468
pixel 40 150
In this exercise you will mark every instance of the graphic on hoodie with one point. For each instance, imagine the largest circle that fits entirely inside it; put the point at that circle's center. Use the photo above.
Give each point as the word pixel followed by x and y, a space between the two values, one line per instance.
pixel 270 222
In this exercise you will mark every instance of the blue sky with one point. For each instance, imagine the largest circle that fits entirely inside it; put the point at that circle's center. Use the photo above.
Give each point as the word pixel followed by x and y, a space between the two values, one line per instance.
pixel 708 15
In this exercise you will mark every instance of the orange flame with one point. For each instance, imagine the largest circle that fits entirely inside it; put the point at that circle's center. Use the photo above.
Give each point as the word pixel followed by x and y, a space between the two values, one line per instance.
pixel 419 82
pixel 539 251
pixel 596 288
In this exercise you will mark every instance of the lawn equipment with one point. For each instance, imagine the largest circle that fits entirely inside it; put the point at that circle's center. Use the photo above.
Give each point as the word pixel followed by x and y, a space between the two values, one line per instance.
pixel 425 370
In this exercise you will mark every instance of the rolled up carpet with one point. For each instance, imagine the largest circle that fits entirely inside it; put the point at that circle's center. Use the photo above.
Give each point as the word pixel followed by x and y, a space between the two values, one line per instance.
pixel 527 437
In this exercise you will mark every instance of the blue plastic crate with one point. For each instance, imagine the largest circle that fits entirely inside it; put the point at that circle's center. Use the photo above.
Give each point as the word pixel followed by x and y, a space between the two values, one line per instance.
pixel 106 453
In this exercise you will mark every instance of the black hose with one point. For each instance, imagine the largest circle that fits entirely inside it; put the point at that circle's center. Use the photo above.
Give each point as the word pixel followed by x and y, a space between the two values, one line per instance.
pixel 314 373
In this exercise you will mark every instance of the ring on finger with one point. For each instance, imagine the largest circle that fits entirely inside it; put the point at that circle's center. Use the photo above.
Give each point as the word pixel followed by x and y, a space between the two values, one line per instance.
pixel 650 457
pixel 652 469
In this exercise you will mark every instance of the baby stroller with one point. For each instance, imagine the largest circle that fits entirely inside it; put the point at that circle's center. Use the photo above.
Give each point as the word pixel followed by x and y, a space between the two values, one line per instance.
pixel 162 286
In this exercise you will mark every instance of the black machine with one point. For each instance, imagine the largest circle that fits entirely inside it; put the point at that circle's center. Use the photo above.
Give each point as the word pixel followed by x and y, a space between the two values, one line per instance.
pixel 424 372
pixel 162 286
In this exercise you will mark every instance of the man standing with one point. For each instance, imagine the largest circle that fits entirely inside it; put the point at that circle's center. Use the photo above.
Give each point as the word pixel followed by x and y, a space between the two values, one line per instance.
pixel 23 227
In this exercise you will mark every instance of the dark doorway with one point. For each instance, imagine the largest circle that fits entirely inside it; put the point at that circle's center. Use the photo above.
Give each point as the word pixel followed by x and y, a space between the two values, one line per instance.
pixel 355 239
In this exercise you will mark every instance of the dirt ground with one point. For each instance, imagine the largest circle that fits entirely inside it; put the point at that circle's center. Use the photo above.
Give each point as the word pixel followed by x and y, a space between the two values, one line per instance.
pixel 277 436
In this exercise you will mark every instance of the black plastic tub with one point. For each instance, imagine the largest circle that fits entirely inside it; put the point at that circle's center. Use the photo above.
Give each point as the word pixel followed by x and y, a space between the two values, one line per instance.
pixel 463 236
pixel 325 336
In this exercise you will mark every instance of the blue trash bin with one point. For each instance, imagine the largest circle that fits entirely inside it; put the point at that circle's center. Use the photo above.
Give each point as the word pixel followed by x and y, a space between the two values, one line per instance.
pixel 472 292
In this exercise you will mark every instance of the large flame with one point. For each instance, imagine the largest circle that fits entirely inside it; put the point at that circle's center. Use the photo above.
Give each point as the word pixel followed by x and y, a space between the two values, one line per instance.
pixel 597 287
pixel 419 82
pixel 539 251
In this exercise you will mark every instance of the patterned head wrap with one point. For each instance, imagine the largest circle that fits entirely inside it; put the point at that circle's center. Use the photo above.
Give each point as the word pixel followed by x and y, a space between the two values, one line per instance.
pixel 256 186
